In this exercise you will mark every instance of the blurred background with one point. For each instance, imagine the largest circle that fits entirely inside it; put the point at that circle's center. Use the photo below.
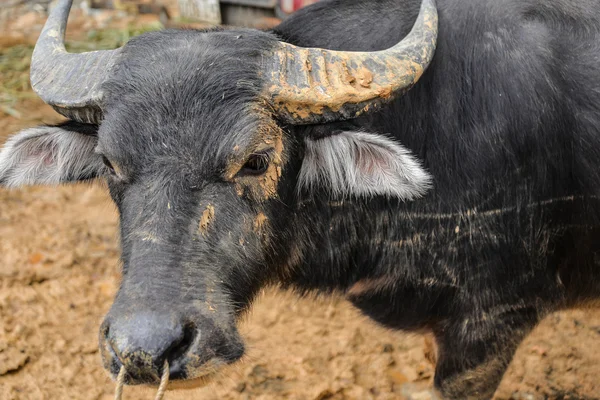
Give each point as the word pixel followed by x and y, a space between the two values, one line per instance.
pixel 59 265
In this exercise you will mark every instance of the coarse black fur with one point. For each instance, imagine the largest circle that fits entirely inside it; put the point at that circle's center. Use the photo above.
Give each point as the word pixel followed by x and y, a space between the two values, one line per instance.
pixel 506 120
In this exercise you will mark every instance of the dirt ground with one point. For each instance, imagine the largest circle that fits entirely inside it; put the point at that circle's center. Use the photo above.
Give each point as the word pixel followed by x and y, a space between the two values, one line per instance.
pixel 59 271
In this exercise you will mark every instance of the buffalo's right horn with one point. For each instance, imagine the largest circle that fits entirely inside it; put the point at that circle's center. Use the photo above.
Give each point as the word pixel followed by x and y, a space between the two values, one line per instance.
pixel 315 86
pixel 71 83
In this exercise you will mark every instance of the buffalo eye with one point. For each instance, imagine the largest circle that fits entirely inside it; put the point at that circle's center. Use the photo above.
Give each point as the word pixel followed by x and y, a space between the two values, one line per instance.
pixel 257 163
pixel 109 165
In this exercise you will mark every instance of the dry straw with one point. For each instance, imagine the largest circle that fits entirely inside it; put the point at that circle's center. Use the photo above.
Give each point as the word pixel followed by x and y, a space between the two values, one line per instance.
pixel 162 388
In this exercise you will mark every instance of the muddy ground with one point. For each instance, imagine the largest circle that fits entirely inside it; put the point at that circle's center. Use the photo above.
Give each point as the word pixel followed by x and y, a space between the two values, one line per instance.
pixel 59 271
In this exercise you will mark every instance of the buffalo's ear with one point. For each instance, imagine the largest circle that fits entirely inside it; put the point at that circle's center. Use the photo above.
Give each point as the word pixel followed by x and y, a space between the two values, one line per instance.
pixel 352 163
pixel 49 155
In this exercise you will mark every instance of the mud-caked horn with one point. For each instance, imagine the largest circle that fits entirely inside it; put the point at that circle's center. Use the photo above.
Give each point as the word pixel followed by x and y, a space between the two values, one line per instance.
pixel 69 82
pixel 313 85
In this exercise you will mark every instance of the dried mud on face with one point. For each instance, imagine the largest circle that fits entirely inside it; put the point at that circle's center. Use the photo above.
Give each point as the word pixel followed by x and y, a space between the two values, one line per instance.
pixel 59 271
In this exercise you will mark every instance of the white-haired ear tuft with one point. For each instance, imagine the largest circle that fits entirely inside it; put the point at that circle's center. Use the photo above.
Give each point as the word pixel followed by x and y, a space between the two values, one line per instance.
pixel 362 164
pixel 49 155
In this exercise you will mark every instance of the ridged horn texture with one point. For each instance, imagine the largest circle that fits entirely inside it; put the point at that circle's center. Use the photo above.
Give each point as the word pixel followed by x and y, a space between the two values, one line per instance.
pixel 71 83
pixel 312 85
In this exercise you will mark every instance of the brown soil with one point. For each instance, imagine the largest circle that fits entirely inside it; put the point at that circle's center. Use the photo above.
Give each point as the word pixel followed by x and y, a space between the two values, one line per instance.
pixel 59 271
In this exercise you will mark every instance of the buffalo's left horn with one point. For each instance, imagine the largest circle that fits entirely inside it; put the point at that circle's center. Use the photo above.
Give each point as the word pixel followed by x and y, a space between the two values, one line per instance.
pixel 312 85
pixel 71 83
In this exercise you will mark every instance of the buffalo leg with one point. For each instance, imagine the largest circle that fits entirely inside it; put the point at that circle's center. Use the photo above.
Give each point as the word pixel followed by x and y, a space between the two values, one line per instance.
pixel 474 351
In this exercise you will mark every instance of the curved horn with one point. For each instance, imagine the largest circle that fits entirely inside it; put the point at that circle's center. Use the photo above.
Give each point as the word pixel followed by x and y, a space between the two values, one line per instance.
pixel 312 85
pixel 69 82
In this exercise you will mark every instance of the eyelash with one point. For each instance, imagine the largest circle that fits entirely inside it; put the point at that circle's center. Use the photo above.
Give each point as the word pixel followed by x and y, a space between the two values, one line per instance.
pixel 257 163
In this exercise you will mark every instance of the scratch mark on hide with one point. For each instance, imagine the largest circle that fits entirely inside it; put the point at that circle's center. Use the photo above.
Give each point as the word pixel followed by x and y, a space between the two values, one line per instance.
pixel 494 212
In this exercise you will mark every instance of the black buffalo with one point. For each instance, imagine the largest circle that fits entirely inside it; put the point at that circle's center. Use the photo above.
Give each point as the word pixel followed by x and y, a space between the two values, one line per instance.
pixel 443 176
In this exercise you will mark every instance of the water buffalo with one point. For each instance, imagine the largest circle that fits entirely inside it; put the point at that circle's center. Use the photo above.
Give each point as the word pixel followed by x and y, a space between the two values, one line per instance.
pixel 442 181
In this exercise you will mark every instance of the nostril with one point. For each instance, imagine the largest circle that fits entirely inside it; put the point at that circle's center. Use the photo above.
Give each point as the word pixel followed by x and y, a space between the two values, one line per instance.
pixel 178 349
pixel 105 329
pixel 108 351
pixel 104 333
